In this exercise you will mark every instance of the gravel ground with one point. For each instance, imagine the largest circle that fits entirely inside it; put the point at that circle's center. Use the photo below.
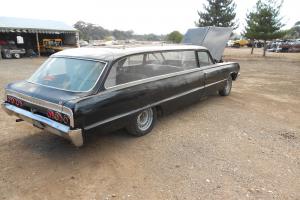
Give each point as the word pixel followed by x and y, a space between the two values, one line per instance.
pixel 244 146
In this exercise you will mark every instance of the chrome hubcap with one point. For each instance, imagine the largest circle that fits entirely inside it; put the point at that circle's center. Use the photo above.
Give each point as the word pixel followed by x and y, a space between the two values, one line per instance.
pixel 144 119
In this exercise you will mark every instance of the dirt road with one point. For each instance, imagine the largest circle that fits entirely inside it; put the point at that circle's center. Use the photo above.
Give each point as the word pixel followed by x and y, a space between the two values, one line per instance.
pixel 244 146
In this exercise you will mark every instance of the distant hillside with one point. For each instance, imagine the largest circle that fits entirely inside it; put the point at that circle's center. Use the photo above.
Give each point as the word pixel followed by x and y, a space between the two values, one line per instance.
pixel 89 31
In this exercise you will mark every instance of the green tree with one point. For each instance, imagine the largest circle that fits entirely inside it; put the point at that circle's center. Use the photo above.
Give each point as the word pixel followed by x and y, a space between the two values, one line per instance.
pixel 264 22
pixel 175 37
pixel 89 31
pixel 218 13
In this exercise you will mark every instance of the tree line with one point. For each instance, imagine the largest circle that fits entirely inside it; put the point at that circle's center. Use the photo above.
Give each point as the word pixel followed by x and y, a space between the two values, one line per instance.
pixel 89 31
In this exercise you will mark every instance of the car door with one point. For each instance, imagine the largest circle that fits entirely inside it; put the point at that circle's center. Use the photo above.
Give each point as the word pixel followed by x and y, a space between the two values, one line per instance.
pixel 213 72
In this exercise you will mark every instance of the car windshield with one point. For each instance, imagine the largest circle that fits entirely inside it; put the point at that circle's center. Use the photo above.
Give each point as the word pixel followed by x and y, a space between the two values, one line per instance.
pixel 68 74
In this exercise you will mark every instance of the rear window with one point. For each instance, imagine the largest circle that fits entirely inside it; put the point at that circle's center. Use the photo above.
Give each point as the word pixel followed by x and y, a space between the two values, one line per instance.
pixel 68 74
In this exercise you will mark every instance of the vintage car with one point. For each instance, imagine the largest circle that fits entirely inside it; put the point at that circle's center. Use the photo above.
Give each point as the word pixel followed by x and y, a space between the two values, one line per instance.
pixel 77 90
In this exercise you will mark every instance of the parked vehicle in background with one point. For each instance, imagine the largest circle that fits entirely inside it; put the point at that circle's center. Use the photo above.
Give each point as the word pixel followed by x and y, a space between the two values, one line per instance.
pixel 10 50
pixel 258 44
pixel 80 89
pixel 83 43
pixel 295 46
pixel 230 43
pixel 50 46
pixel 272 45
pixel 284 46
pixel 241 43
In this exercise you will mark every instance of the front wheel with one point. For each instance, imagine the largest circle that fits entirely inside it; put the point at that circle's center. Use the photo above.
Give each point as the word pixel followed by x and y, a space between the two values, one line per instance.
pixel 225 91
pixel 143 122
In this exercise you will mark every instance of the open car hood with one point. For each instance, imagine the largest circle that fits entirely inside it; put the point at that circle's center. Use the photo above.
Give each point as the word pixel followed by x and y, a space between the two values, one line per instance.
pixel 213 38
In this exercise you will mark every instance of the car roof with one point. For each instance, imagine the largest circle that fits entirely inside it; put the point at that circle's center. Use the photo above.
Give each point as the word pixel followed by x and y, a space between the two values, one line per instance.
pixel 113 53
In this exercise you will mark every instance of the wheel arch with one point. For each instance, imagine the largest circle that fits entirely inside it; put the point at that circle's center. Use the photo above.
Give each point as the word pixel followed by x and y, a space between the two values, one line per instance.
pixel 159 110
pixel 234 75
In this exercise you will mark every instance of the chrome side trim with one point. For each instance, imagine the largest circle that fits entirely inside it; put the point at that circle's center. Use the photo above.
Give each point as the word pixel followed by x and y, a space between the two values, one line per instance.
pixel 215 83
pixel 151 105
pixel 154 78
pixel 43 103
pixel 75 136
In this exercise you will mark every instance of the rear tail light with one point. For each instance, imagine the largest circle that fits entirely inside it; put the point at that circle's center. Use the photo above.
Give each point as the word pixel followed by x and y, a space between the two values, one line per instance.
pixel 66 120
pixel 19 103
pixel 14 101
pixel 59 117
pixel 50 114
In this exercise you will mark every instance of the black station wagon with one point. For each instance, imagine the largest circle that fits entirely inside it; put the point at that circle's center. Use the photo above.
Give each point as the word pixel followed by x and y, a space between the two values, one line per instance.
pixel 80 89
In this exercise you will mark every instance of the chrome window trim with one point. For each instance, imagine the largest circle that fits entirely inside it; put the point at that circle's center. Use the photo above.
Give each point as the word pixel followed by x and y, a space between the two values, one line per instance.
pixel 154 78
pixel 42 103
pixel 96 82
pixel 78 58
pixel 150 105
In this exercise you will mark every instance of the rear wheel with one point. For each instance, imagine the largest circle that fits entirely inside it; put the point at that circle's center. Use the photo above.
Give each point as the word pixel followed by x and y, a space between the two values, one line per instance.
pixel 143 122
pixel 225 91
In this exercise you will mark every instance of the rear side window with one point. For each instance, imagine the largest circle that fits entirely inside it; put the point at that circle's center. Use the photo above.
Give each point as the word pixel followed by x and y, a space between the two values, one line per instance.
pixel 181 59
pixel 154 58
pixel 133 60
pixel 204 58
pixel 147 65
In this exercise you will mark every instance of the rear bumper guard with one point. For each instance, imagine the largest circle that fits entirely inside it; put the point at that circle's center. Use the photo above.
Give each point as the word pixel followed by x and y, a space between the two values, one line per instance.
pixel 75 136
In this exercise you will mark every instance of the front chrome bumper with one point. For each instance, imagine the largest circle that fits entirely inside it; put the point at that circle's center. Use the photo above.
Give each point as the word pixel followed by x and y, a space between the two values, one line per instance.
pixel 75 136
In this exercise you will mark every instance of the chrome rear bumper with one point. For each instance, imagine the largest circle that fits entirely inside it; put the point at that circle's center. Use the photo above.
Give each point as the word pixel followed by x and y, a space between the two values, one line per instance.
pixel 75 136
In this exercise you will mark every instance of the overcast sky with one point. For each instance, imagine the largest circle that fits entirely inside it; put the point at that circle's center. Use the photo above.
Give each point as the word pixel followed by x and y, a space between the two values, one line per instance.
pixel 141 16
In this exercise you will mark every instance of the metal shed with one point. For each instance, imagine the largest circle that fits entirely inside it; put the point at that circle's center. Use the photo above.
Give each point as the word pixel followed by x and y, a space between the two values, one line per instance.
pixel 33 30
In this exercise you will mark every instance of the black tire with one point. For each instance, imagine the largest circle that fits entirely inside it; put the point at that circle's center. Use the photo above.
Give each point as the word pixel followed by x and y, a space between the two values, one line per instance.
pixel 237 45
pixel 7 55
pixel 225 91
pixel 17 55
pixel 137 128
